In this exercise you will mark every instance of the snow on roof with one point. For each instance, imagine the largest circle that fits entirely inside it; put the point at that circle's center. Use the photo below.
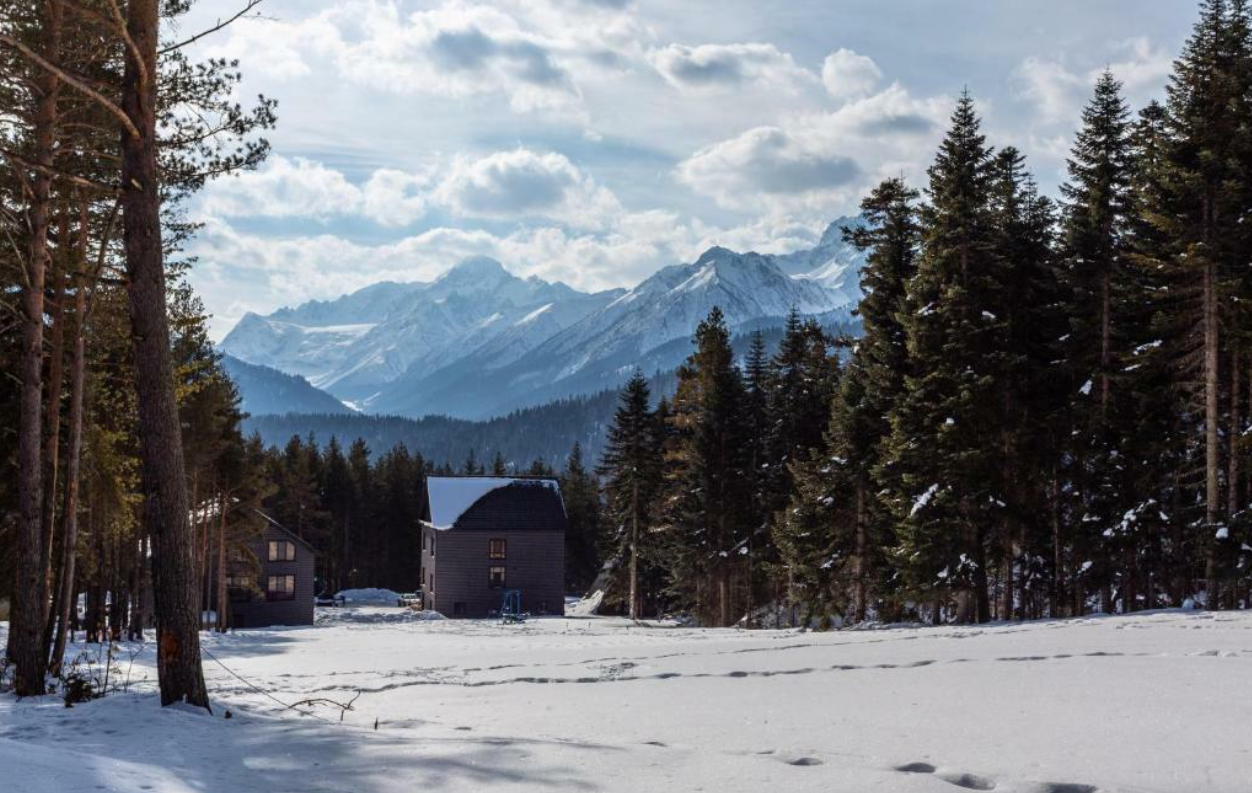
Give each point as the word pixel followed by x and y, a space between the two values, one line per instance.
pixel 451 496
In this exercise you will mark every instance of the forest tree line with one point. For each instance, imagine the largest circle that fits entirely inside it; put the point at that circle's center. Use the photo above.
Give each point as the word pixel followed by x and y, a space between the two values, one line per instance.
pixel 1046 414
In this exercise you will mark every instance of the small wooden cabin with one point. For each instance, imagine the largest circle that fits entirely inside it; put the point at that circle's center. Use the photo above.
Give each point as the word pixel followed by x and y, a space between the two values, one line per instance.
pixel 272 582
pixel 483 535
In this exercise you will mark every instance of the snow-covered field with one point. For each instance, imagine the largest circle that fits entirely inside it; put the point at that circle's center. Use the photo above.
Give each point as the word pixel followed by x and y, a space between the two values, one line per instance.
pixel 1154 702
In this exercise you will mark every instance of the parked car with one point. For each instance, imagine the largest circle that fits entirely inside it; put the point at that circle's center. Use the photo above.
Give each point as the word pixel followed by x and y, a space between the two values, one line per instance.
pixel 409 600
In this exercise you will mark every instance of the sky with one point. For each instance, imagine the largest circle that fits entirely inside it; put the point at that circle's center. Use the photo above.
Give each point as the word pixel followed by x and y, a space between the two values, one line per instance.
pixel 595 141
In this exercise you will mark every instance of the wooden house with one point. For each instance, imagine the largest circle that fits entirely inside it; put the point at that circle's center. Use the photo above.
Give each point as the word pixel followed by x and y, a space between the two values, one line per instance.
pixel 483 535
pixel 271 581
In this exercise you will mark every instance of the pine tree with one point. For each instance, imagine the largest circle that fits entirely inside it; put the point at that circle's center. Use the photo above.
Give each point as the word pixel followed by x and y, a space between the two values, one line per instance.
pixel 708 504
pixel 870 390
pixel 581 494
pixel 944 450
pixel 1026 333
pixel 631 469
pixel 1099 289
pixel 1200 210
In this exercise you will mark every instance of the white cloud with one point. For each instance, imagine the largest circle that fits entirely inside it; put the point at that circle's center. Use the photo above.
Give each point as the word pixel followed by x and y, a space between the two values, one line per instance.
pixel 533 54
pixel 283 188
pixel 724 67
pixel 1059 91
pixel 820 163
pixel 511 185
pixel 848 75
pixel 523 183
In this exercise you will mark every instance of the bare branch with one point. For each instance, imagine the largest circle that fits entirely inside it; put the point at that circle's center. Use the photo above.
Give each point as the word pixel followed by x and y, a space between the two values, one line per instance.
pixel 251 4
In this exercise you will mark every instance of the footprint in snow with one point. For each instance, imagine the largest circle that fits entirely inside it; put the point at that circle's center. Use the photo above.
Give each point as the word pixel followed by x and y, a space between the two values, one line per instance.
pixel 957 778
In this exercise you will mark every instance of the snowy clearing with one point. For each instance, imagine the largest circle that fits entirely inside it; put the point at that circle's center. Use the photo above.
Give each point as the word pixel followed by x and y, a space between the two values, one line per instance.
pixel 1152 702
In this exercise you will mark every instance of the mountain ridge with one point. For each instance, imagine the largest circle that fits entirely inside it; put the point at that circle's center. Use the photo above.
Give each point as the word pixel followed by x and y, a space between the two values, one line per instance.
pixel 478 341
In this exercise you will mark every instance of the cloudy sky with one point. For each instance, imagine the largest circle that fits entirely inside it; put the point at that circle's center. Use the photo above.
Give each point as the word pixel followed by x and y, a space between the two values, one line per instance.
pixel 593 141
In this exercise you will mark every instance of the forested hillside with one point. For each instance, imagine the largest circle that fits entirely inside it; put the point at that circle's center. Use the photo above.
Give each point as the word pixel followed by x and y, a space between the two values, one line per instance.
pixel 265 391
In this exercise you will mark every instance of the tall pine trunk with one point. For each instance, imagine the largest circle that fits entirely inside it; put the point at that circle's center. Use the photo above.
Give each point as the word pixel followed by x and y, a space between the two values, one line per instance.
pixel 165 497
pixel 1212 448
pixel 30 594
pixel 52 439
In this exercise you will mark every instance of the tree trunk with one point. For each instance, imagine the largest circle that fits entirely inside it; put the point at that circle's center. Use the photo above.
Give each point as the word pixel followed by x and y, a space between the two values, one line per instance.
pixel 165 497
pixel 222 596
pixel 1212 448
pixel 78 370
pixel 860 606
pixel 634 552
pixel 52 439
pixel 1235 433
pixel 30 593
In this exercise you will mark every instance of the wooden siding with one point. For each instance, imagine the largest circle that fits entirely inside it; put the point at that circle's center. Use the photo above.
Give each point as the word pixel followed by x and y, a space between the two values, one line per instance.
pixel 534 563
pixel 259 612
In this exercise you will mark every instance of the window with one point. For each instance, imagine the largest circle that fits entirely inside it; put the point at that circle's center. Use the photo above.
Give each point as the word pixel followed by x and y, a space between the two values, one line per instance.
pixel 240 587
pixel 239 554
pixel 495 577
pixel 432 544
pixel 280 587
pixel 282 551
pixel 495 549
pixel 432 582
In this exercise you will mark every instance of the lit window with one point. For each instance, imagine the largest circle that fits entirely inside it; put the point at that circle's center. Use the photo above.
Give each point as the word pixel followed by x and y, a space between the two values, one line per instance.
pixel 282 551
pixel 280 587
pixel 495 577
pixel 495 549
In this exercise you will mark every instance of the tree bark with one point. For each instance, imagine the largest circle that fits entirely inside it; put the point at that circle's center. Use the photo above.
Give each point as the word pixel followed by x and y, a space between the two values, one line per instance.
pixel 634 552
pixel 165 497
pixel 860 606
pixel 52 439
pixel 26 649
pixel 1212 448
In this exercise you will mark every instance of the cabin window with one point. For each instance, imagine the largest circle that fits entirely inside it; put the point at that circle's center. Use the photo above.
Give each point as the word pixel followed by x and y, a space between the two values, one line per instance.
pixel 495 549
pixel 238 554
pixel 495 576
pixel 282 551
pixel 432 582
pixel 240 587
pixel 280 587
pixel 432 544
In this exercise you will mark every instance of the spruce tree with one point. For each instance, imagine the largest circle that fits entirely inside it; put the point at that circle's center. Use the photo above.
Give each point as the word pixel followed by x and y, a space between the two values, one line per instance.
pixel 631 470
pixel 944 450
pixel 581 494
pixel 708 503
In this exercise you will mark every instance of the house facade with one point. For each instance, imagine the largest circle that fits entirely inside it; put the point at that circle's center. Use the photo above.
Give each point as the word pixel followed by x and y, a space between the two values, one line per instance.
pixel 483 535
pixel 271 582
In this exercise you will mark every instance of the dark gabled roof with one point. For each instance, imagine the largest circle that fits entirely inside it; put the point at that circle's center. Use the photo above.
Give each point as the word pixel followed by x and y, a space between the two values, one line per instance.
pixel 276 525
pixel 517 504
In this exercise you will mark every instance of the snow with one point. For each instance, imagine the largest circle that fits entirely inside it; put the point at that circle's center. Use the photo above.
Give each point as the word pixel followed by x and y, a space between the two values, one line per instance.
pixel 924 499
pixel 1156 702
pixel 1086 388
pixel 450 496
pixel 534 315
pixel 368 595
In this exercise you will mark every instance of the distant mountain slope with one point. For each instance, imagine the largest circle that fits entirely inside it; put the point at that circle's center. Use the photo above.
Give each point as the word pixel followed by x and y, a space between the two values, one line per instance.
pixel 479 342
pixel 268 391
pixel 355 345
pixel 546 432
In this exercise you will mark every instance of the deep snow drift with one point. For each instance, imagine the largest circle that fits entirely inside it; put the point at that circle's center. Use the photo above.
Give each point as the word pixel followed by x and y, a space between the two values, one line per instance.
pixel 1153 702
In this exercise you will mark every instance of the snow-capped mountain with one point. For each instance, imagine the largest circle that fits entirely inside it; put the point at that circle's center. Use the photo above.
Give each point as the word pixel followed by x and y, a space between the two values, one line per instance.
pixel 478 341
pixel 353 346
